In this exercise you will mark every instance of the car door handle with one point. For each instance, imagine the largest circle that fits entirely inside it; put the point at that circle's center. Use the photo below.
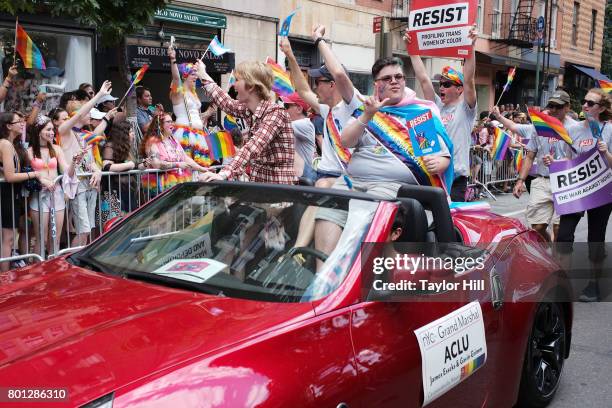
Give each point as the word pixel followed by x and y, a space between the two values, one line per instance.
pixel 497 290
pixel 342 405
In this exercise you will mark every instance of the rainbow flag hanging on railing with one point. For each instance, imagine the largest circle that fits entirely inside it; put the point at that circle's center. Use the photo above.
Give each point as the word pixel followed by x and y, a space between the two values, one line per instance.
pixel 29 52
pixel 605 85
pixel 501 142
pixel 282 82
pixel 548 126
pixel 220 145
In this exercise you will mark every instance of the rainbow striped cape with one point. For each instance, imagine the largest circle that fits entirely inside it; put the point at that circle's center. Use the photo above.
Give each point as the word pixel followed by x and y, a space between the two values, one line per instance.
pixel 394 136
pixel 548 126
pixel 501 142
pixel 342 153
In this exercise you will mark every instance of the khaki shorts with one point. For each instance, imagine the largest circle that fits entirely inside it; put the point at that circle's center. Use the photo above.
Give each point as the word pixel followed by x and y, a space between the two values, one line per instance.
pixel 83 209
pixel 540 209
pixel 382 189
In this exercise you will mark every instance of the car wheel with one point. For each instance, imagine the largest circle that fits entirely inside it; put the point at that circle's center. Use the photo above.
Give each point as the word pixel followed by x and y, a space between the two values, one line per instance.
pixel 544 357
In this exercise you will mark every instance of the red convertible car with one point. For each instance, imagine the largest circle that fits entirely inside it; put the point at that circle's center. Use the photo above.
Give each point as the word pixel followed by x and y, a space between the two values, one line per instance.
pixel 219 295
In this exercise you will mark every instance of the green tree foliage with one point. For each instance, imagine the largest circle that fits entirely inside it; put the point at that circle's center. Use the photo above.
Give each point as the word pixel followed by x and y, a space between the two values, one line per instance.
pixel 113 19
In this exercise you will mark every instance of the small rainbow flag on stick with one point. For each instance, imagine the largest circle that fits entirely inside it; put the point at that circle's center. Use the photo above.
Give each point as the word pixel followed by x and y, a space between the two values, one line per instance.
pixel 139 74
pixel 282 82
pixel 548 126
pixel 29 52
pixel 605 85
pixel 501 142
pixel 518 160
pixel 220 145
pixel 511 73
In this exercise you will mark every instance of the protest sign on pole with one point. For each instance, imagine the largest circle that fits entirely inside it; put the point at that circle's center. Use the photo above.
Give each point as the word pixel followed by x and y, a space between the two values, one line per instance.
pixel 582 183
pixel 441 27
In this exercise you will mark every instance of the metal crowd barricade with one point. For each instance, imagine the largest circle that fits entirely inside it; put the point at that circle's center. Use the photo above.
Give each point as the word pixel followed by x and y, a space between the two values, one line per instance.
pixel 129 190
pixel 489 173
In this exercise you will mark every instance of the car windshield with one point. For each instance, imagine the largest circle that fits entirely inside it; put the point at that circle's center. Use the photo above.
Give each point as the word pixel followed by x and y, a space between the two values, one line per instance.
pixel 236 240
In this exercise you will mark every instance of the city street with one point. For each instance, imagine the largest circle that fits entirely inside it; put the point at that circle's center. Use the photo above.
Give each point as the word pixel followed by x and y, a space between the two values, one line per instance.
pixel 585 381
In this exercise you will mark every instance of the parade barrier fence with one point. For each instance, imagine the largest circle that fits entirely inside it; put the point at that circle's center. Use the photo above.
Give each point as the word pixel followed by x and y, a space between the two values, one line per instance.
pixel 119 194
pixel 487 174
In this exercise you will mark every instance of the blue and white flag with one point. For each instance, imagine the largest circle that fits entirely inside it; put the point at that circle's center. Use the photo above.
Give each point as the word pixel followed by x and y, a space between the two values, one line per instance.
pixel 284 31
pixel 217 48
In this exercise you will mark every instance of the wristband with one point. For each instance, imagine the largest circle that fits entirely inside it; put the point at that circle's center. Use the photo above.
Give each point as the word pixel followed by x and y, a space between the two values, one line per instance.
pixel 317 41
pixel 106 120
pixel 173 61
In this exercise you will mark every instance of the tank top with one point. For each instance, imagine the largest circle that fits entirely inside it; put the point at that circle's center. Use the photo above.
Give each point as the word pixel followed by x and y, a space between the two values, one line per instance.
pixel 193 104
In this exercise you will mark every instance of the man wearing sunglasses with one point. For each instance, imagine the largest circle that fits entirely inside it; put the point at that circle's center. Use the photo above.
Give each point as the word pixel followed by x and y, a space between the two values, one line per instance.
pixel 457 104
pixel 540 211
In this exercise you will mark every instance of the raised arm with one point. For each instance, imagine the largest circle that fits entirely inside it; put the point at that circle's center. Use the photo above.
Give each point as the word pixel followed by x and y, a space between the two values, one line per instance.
pixel 176 76
pixel 8 82
pixel 101 128
pixel 469 72
pixel 352 132
pixel 421 73
pixel 218 95
pixel 508 124
pixel 345 86
pixel 40 99
pixel 65 127
pixel 300 83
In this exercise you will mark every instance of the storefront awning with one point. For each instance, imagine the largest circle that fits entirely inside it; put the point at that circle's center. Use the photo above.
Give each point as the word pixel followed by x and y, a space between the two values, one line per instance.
pixel 593 73
pixel 528 62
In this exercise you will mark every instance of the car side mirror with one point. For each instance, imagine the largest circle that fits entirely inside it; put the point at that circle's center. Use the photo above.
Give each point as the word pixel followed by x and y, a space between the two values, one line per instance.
pixel 110 223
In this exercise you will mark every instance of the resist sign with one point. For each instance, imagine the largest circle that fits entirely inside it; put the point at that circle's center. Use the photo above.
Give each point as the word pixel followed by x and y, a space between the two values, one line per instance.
pixel 582 183
pixel 441 27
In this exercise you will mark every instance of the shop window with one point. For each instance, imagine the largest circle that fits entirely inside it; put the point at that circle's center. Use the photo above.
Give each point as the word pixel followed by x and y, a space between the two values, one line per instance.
pixel 575 23
pixel 69 63
pixel 363 82
pixel 593 29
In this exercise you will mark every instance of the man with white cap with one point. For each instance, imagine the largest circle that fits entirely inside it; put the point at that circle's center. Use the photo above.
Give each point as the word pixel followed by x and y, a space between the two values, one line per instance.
pixel 540 211
pixel 107 104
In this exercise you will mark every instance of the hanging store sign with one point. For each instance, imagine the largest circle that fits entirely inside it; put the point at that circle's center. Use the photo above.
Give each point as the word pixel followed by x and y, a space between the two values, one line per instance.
pixel 157 58
pixel 191 17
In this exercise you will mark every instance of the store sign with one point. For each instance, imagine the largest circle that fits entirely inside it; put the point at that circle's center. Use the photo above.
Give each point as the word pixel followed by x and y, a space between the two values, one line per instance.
pixel 198 18
pixel 157 58
pixel 377 24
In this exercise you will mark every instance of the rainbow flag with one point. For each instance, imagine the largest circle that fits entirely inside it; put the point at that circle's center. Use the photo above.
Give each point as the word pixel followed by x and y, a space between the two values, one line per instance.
pixel 518 160
pixel 501 142
pixel 343 154
pixel 29 52
pixel 93 140
pixel 229 122
pixel 139 74
pixel 395 138
pixel 282 82
pixel 511 73
pixel 232 79
pixel 547 126
pixel 220 145
pixel 605 85
pixel 471 366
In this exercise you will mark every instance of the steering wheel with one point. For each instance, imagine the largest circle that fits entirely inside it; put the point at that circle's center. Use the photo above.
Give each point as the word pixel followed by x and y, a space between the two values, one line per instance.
pixel 309 251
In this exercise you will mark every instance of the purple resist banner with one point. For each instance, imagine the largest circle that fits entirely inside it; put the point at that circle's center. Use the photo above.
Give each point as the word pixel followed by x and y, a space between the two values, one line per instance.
pixel 582 183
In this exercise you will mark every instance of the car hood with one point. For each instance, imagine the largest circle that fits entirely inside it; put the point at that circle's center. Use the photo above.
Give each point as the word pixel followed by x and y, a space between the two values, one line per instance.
pixel 65 326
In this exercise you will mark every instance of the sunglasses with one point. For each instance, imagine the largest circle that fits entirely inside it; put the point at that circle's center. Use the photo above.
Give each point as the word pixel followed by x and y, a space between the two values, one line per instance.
pixel 319 81
pixel 590 103
pixel 448 84
pixel 554 106
pixel 389 78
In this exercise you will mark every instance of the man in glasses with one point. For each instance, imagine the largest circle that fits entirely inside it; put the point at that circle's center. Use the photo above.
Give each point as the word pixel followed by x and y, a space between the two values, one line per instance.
pixel 540 150
pixel 457 104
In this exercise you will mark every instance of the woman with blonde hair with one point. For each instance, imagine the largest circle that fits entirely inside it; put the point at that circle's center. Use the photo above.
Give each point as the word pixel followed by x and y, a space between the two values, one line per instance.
pixel 268 151
pixel 597 106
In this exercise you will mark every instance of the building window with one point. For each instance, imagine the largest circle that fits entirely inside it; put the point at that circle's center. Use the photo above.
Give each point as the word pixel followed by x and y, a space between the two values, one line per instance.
pixel 575 23
pixel 553 25
pixel 479 16
pixel 69 61
pixel 593 27
pixel 363 82
pixel 497 14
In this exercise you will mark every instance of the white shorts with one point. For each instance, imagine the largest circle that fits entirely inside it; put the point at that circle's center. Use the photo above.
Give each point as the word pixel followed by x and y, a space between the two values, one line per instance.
pixel 540 209
pixel 83 209
pixel 45 199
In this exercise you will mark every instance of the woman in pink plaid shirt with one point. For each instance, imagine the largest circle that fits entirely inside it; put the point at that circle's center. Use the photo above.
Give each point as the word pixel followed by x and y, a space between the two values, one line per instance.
pixel 268 150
